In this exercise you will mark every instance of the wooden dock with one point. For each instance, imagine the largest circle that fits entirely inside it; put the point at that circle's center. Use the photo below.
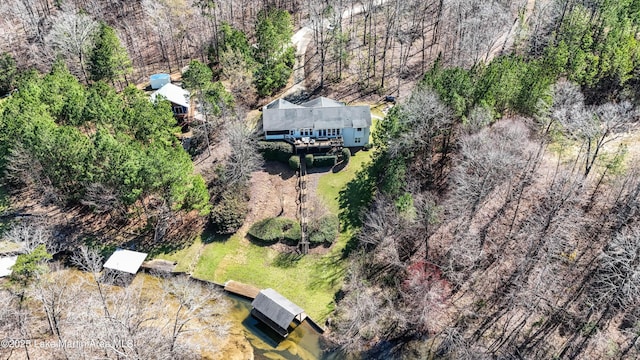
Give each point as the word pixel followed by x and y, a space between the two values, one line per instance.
pixel 244 290
pixel 159 265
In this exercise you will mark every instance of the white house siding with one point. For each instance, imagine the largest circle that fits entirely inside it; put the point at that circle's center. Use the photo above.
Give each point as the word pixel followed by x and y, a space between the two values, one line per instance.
pixel 350 135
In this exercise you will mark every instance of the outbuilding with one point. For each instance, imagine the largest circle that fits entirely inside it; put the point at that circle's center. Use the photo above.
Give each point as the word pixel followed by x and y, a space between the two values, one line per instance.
pixel 276 311
pixel 125 261
pixel 6 264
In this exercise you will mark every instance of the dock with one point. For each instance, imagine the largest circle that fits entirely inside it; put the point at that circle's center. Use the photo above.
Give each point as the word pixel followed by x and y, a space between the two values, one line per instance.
pixel 159 265
pixel 244 290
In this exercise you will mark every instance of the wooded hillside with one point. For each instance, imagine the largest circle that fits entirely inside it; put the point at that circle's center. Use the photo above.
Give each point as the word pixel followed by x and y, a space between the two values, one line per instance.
pixel 498 216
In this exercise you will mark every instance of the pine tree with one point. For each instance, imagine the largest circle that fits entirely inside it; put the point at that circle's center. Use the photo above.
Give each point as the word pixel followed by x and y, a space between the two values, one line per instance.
pixel 109 60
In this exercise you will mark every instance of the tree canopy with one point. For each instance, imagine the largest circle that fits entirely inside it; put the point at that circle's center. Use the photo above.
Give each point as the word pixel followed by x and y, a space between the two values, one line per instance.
pixel 108 60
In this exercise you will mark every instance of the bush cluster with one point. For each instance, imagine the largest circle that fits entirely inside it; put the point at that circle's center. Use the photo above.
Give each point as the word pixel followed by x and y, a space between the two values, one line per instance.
pixel 229 209
pixel 324 160
pixel 308 159
pixel 294 162
pixel 323 230
pixel 276 229
pixel 276 150
pixel 346 155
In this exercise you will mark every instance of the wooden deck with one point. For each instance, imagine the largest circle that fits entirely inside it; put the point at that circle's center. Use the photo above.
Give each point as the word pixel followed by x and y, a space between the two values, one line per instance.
pixel 159 265
pixel 241 289
pixel 319 144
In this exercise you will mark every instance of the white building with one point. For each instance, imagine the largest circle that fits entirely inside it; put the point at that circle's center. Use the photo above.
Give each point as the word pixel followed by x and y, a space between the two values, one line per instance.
pixel 318 119
pixel 179 98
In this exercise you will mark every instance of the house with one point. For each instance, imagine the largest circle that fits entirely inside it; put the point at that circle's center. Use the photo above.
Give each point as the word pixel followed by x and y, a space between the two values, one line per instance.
pixel 179 98
pixel 125 261
pixel 276 311
pixel 317 120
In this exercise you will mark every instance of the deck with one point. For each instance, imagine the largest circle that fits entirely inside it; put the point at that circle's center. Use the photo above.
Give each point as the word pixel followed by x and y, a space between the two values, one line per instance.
pixel 318 143
pixel 241 289
pixel 159 265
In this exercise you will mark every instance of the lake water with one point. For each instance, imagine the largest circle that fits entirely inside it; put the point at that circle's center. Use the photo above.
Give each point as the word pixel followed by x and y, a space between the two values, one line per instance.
pixel 303 342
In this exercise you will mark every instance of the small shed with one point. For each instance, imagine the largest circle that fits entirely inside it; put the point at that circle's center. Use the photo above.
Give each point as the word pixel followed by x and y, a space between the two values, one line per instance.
pixel 125 261
pixel 5 265
pixel 276 311
pixel 159 80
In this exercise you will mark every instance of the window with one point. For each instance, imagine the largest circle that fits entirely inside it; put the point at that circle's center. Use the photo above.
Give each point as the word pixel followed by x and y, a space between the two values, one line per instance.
pixel 278 132
pixel 359 129
pixel 358 140
pixel 178 110
pixel 338 131
pixel 291 132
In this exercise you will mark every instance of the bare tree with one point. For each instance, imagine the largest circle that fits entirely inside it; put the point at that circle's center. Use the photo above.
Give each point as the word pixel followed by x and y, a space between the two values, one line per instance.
pixel 617 280
pixel 244 157
pixel 199 308
pixel 593 127
pixel 72 37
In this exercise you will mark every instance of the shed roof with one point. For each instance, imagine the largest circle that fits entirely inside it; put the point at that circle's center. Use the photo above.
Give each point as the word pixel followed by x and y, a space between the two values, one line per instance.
pixel 5 265
pixel 125 261
pixel 174 94
pixel 276 307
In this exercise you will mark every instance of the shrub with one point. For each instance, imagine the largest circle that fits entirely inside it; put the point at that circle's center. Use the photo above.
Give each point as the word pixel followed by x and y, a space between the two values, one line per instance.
pixel 323 230
pixel 272 230
pixel 367 147
pixel 325 160
pixel 308 159
pixel 229 210
pixel 294 162
pixel 346 155
pixel 276 150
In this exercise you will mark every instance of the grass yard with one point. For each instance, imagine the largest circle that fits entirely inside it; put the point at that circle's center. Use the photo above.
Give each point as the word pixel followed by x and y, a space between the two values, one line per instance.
pixel 310 281
pixel 186 258
pixel 330 184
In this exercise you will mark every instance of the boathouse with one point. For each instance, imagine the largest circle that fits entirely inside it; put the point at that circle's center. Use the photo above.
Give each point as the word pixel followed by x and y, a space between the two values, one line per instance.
pixel 276 311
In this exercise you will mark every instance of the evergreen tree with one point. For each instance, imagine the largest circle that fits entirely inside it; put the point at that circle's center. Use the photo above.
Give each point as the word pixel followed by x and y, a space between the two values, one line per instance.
pixel 274 53
pixel 109 60
pixel 8 72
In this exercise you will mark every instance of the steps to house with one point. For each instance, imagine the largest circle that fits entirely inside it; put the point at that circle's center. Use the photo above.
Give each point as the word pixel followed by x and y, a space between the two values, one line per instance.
pixel 302 186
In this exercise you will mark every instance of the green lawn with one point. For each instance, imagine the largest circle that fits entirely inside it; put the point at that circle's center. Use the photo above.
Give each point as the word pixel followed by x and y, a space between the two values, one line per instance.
pixel 309 281
pixel 330 184
pixel 185 257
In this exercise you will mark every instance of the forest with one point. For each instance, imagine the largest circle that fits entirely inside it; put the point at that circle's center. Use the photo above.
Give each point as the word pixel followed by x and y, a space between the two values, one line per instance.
pixel 495 219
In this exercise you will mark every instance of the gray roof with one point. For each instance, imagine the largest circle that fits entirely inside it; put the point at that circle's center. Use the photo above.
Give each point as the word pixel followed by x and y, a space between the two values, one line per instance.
pixel 276 307
pixel 281 104
pixel 322 102
pixel 321 113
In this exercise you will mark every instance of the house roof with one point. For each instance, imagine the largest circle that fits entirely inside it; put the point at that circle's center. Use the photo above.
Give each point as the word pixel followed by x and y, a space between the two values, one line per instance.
pixel 276 307
pixel 5 265
pixel 174 94
pixel 322 102
pixel 281 104
pixel 321 113
pixel 125 261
